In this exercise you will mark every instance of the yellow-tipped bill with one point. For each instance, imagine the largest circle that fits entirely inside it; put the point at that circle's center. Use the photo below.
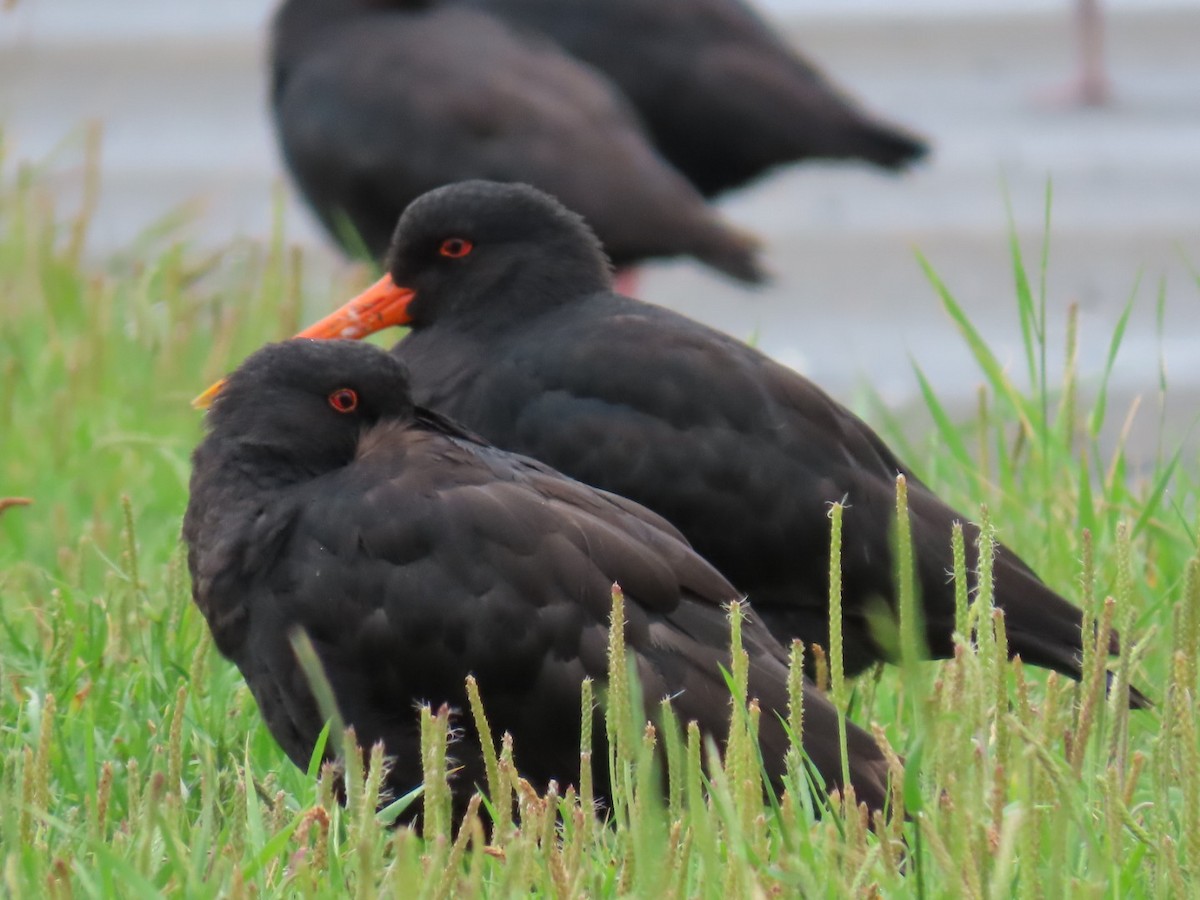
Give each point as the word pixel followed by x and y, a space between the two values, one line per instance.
pixel 204 401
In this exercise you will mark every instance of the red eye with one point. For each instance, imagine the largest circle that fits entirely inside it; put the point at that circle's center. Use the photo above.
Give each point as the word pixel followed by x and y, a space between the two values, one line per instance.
pixel 344 400
pixel 455 248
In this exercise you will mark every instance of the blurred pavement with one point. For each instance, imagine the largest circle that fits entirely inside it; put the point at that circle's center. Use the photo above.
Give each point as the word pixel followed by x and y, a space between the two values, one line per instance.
pixel 180 91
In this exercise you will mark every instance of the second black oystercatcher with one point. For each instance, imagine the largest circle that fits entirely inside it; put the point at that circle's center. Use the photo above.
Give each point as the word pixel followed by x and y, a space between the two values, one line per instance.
pixel 723 95
pixel 376 103
pixel 413 554
pixel 517 334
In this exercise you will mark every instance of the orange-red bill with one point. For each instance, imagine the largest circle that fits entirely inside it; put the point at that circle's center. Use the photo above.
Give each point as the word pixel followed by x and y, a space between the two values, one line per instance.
pixel 380 306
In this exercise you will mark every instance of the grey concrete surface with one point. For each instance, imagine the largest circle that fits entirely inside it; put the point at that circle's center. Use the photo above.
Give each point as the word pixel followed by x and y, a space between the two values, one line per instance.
pixel 181 97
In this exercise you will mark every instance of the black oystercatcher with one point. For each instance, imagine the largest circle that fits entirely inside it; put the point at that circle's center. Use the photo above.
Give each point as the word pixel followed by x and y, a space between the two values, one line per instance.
pixel 377 103
pixel 413 554
pixel 516 333
pixel 724 97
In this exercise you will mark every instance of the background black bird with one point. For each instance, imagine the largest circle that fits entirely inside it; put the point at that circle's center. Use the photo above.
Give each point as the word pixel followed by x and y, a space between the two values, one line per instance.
pixel 376 103
pixel 724 97
pixel 518 335
pixel 413 554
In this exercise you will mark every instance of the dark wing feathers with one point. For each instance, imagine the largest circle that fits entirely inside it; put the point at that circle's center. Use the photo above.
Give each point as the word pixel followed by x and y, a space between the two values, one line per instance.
pixel 748 470
pixel 235 555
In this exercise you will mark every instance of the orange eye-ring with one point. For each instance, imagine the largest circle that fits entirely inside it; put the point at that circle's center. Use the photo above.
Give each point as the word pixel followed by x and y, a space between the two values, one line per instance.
pixel 455 248
pixel 344 400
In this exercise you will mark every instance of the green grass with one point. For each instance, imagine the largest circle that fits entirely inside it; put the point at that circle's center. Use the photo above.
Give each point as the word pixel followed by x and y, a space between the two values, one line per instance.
pixel 133 761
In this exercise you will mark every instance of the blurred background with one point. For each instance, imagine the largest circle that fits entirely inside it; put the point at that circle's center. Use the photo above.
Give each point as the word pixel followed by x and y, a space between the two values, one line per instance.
pixel 178 90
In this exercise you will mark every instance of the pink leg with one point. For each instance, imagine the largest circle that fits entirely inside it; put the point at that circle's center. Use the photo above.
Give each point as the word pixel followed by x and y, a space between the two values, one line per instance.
pixel 1090 85
pixel 625 281
pixel 1094 88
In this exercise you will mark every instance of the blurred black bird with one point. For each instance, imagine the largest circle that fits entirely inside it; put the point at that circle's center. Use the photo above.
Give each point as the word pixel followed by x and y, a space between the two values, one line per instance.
pixel 516 333
pixel 412 554
pixel 375 103
pixel 724 97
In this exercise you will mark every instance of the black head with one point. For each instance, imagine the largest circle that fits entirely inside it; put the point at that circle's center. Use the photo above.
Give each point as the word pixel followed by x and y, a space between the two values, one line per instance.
pixel 475 246
pixel 307 402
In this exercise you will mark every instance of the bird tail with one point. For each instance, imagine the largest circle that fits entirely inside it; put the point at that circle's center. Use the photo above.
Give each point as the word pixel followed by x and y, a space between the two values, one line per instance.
pixel 1043 628
pixel 889 148
pixel 732 251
